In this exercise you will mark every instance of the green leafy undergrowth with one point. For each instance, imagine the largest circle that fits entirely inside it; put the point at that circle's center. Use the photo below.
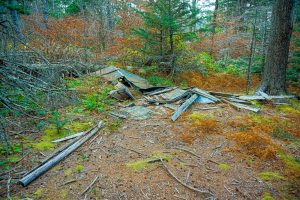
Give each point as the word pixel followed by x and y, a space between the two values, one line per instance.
pixel 97 101
pixel 58 121
pixel 10 154
pixel 143 164
pixel 283 135
pixel 160 80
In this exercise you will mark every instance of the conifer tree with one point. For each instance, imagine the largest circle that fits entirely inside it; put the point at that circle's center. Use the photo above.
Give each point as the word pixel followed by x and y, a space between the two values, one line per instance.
pixel 167 22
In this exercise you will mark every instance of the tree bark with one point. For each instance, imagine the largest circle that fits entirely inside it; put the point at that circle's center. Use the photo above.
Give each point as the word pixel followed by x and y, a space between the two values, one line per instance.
pixel 274 78
pixel 214 25
pixel 45 13
pixel 16 19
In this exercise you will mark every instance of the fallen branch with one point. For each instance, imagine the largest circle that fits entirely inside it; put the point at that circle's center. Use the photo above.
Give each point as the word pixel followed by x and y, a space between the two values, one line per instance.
pixel 89 187
pixel 203 191
pixel 69 137
pixel 8 186
pixel 51 162
pixel 132 150
pixel 188 151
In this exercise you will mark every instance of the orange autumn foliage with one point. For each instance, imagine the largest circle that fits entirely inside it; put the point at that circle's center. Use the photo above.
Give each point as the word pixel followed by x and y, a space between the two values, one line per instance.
pixel 218 82
pixel 255 142
pixel 198 128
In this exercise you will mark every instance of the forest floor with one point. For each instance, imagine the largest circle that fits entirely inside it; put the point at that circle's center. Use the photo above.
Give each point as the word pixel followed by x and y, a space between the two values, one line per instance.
pixel 235 155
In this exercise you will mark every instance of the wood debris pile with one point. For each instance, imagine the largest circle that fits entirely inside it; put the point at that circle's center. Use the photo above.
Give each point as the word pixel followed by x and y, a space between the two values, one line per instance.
pixel 169 96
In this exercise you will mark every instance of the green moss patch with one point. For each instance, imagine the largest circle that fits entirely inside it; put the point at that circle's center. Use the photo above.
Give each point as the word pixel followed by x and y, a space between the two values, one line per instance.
pixel 270 176
pixel 224 167
pixel 267 196
pixel 79 168
pixel 290 161
pixel 44 145
pixel 143 164
pixel 76 127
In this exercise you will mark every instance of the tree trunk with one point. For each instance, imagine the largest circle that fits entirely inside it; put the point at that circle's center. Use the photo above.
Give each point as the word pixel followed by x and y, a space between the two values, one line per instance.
pixel 274 78
pixel 45 13
pixel 171 38
pixel 264 42
pixel 16 19
pixel 252 52
pixel 214 25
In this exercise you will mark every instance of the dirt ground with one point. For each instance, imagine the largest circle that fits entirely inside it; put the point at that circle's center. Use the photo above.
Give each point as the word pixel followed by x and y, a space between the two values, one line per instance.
pixel 105 159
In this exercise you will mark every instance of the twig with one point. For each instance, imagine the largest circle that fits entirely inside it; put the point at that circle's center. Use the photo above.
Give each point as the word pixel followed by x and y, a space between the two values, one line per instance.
pixel 8 186
pixel 89 187
pixel 188 151
pixel 228 190
pixel 203 191
pixel 212 161
pixel 42 154
pixel 187 176
pixel 179 197
pixel 68 182
pixel 132 150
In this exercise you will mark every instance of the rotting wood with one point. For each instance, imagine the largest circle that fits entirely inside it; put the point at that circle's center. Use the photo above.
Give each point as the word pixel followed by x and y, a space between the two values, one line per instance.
pixel 266 96
pixel 223 94
pixel 184 106
pixel 247 107
pixel 52 161
pixel 154 101
pixel 171 106
pixel 203 191
pixel 241 106
pixel 207 108
pixel 69 137
pixel 165 90
pixel 263 98
pixel 204 94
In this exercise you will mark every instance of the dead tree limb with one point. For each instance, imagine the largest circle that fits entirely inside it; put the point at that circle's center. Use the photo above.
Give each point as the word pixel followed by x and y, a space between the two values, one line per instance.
pixel 41 169
pixel 203 191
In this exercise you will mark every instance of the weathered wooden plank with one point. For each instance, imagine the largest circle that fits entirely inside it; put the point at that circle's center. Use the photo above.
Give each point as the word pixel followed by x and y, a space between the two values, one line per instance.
pixel 263 98
pixel 44 167
pixel 205 94
pixel 266 96
pixel 161 91
pixel 184 106
pixel 241 106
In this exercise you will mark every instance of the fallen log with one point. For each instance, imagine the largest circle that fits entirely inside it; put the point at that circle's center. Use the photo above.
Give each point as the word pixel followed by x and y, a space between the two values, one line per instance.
pixel 51 162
